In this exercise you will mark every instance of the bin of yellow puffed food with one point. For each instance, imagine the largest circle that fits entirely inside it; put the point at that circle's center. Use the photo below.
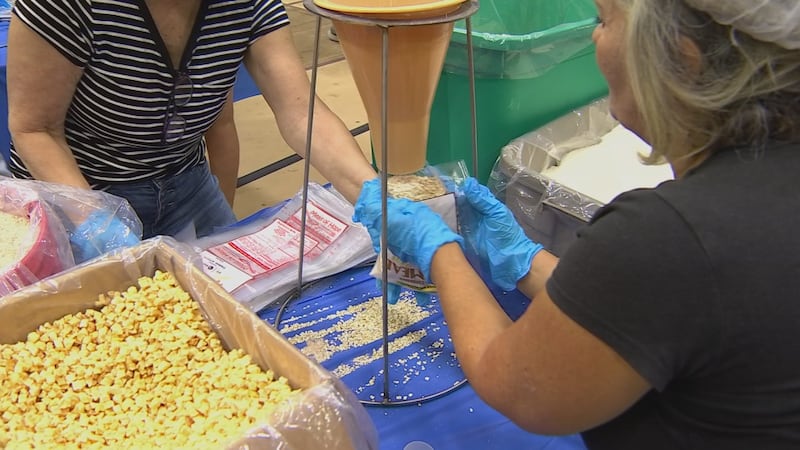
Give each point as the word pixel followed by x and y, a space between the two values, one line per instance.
pixel 34 244
pixel 140 349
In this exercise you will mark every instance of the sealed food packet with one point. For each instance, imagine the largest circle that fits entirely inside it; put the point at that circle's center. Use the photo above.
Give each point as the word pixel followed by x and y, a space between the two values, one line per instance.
pixel 435 186
pixel 258 262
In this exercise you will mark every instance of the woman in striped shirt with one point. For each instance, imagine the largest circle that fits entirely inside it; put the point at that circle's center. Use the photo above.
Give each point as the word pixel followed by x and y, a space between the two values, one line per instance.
pixel 118 95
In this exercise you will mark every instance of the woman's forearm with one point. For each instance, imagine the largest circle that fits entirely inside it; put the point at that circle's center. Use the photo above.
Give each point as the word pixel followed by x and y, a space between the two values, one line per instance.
pixel 474 317
pixel 335 153
pixel 223 159
pixel 222 148
pixel 48 158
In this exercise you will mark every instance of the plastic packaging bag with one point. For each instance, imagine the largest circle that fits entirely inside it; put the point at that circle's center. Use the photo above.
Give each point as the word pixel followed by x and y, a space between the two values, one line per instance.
pixel 452 176
pixel 522 39
pixel 258 262
pixel 54 213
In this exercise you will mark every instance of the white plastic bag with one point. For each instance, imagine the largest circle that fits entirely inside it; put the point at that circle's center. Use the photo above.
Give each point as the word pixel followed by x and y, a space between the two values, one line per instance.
pixel 258 262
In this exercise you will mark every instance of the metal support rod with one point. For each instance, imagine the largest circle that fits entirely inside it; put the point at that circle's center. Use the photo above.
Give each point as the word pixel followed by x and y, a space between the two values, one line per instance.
pixel 312 96
pixel 385 205
pixel 464 11
pixel 473 102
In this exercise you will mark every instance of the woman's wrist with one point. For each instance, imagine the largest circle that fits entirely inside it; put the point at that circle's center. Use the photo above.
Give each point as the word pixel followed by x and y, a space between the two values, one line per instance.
pixel 445 257
pixel 542 266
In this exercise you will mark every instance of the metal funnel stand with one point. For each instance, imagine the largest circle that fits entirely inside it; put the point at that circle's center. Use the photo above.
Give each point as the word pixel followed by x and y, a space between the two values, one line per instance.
pixel 396 50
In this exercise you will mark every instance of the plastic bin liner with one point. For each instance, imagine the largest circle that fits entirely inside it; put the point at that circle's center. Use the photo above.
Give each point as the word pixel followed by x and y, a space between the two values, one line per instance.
pixel 534 61
pixel 523 39
pixel 548 211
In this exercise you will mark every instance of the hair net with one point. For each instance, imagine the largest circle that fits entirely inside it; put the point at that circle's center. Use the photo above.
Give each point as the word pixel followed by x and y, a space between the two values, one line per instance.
pixel 775 21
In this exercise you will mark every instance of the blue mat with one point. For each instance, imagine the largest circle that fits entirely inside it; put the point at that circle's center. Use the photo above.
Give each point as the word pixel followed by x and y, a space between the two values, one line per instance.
pixel 335 316
pixel 5 136
pixel 457 419
pixel 245 87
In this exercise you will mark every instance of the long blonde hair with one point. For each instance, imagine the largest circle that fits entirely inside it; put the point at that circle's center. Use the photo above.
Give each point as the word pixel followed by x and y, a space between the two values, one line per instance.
pixel 742 92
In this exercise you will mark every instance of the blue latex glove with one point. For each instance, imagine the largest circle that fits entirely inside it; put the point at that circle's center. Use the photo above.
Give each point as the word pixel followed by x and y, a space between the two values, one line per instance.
pixel 415 231
pixel 100 233
pixel 493 232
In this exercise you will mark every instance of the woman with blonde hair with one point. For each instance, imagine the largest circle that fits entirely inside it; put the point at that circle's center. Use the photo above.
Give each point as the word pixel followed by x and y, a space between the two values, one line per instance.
pixel 672 321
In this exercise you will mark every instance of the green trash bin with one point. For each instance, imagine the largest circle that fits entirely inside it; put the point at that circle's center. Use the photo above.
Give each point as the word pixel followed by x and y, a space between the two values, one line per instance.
pixel 534 61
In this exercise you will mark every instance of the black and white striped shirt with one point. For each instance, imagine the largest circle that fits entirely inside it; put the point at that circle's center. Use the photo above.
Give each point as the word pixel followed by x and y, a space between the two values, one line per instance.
pixel 115 122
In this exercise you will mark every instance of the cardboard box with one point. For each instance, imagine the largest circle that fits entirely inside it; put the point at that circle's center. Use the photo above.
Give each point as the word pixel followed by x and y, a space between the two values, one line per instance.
pixel 329 417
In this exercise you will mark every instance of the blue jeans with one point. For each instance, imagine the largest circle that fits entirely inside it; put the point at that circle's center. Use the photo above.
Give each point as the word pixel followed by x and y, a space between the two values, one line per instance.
pixel 181 206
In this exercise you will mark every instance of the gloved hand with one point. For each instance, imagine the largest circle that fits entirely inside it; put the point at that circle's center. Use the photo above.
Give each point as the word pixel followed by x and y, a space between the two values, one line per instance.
pixel 415 232
pixel 101 232
pixel 496 236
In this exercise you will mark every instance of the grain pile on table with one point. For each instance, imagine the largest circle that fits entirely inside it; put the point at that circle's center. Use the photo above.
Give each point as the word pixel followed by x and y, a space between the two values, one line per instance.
pixel 15 231
pixel 144 371
pixel 359 326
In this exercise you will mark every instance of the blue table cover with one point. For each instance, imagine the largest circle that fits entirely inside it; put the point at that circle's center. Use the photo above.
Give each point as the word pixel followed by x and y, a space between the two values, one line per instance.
pixel 455 420
pixel 245 87
pixel 5 137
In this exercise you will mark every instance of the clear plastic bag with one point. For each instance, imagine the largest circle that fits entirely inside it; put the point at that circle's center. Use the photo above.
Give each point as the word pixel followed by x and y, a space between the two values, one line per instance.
pixel 258 262
pixel 54 213
pixel 452 176
pixel 523 39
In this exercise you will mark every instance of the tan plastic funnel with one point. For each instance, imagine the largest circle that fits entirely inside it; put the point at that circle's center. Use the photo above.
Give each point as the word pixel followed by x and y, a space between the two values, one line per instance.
pixel 415 58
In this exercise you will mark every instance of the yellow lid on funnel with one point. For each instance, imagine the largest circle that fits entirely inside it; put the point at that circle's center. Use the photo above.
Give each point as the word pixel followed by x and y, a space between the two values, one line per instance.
pixel 385 6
